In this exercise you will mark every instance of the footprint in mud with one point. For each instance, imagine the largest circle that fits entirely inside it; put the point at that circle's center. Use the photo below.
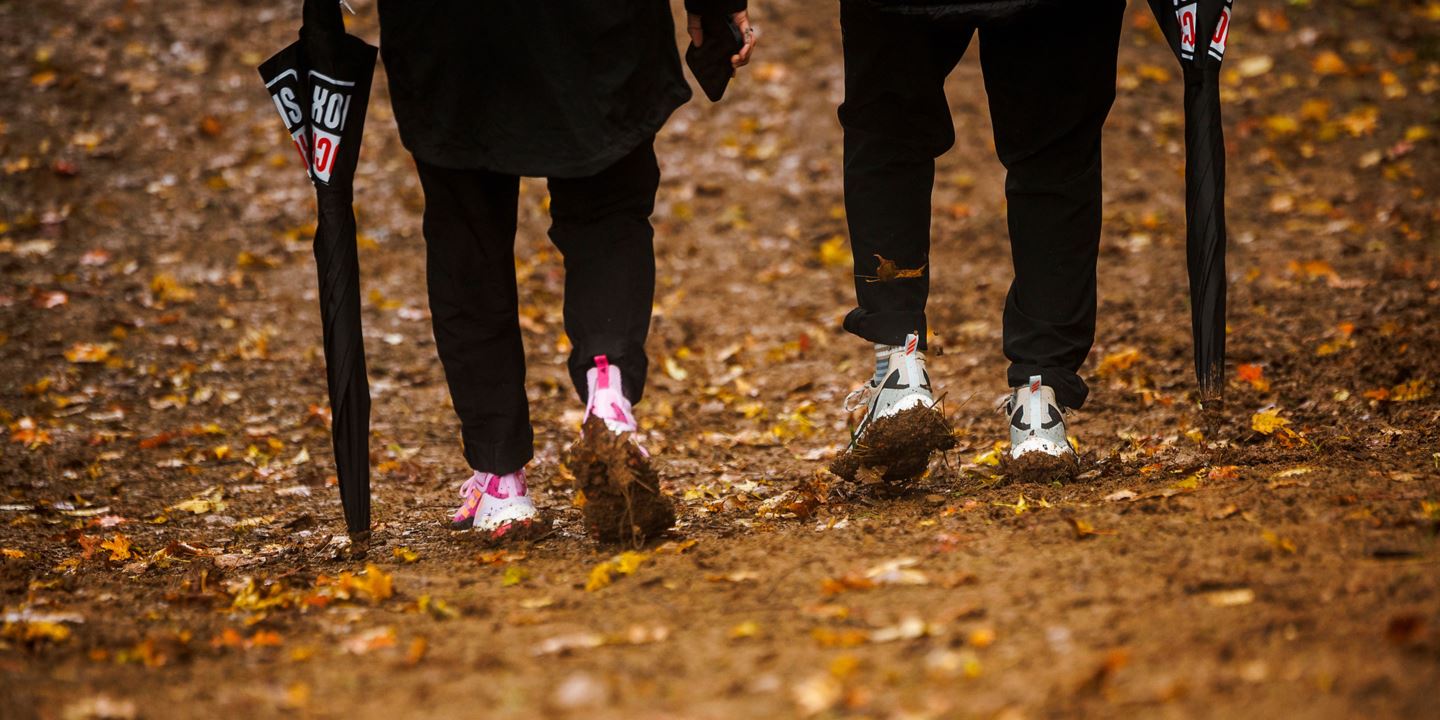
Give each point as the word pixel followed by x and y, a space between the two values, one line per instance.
pixel 623 501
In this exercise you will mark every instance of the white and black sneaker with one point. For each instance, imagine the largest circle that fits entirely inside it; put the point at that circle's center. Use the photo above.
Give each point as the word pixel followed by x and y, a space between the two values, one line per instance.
pixel 1040 450
pixel 901 425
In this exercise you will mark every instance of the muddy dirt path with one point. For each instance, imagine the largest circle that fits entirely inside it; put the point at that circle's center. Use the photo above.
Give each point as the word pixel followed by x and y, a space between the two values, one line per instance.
pixel 167 500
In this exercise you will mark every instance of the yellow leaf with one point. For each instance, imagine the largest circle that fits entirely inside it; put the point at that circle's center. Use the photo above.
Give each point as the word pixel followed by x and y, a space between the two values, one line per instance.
pixel 514 575
pixel 1279 543
pixel 1231 598
pixel 166 288
pixel 626 563
pixel 1279 126
pixel 981 638
pixel 1268 421
pixel 675 547
pixel 406 555
pixel 119 547
pixel 1329 63
pixel 12 553
pixel 835 252
pixel 1118 362
pixel 89 352
pixel 1255 66
pixel 674 370
pixel 35 631
pixel 747 629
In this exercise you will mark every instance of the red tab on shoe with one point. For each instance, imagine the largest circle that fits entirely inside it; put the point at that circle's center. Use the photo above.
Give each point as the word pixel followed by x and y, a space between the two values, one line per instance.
pixel 602 375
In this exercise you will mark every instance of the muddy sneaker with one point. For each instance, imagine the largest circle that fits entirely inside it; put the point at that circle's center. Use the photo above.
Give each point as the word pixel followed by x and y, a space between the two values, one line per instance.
pixel 1039 449
pixel 622 498
pixel 495 505
pixel 901 425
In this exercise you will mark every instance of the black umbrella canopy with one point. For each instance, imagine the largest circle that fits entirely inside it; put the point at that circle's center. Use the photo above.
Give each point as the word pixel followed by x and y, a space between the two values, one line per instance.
pixel 1197 31
pixel 321 86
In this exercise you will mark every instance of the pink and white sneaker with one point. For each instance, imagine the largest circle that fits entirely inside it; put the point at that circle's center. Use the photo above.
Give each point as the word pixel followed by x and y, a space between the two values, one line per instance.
pixel 607 402
pixel 494 503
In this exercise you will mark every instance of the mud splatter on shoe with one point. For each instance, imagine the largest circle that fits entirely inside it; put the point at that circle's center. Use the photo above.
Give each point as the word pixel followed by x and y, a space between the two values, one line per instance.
pixel 1040 450
pixel 901 426
pixel 623 500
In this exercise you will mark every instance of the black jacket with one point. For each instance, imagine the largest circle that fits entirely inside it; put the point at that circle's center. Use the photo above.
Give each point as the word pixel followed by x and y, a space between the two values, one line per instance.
pixel 973 11
pixel 553 88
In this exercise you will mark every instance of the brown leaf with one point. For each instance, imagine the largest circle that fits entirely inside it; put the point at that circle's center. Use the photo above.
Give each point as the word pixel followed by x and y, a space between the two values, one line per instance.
pixel 888 271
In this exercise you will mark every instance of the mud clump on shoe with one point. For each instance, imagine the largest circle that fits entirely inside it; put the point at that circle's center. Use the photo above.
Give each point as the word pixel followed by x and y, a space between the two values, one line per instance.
pixel 1040 468
pixel 897 447
pixel 623 502
pixel 518 532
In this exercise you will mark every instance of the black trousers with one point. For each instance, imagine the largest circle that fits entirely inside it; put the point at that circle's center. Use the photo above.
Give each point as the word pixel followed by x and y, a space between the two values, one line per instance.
pixel 1050 78
pixel 601 224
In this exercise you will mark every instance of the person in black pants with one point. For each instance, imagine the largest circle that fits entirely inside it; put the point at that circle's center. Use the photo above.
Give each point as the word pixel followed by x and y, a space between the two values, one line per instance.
pixel 485 93
pixel 1049 73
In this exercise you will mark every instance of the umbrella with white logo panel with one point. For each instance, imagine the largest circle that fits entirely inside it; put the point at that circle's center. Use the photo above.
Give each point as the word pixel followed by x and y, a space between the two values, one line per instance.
pixel 321 85
pixel 1197 31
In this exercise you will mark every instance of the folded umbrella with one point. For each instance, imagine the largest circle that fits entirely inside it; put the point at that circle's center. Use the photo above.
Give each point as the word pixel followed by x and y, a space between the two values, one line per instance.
pixel 321 85
pixel 1197 31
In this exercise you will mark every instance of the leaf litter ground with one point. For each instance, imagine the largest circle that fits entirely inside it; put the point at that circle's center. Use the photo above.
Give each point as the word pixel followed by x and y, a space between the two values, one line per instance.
pixel 168 504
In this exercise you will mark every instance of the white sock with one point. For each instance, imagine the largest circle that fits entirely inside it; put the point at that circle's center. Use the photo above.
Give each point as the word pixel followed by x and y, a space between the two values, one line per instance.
pixel 882 361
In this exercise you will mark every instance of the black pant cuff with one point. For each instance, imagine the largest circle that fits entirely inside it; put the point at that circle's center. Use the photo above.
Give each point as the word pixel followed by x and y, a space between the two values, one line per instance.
pixel 1070 390
pixel 886 328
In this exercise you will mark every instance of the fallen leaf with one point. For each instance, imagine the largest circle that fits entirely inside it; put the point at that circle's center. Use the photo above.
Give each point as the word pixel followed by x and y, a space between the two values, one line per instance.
pixel 514 575
pixel 1283 544
pixel 746 629
pixel 119 547
pixel 1268 421
pixel 1083 528
pixel 82 353
pixel 900 571
pixel 602 575
pixel 370 641
pixel 1230 598
pixel 417 650
pixel 1329 62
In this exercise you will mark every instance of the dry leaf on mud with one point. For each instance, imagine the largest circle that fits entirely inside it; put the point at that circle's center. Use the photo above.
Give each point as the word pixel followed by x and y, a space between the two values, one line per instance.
pixel 370 640
pixel 626 563
pixel 1083 528
pixel 514 575
pixel 498 557
pixel 741 631
pixel 738 576
pixel 1274 540
pixel 1268 421
pixel 633 635
pixel 817 694
pixel 373 584
pixel 119 547
pixel 675 547
pixel 900 571
pixel 1230 597
pixel 83 352
pixel 211 500
pixel 37 631
pixel 416 652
